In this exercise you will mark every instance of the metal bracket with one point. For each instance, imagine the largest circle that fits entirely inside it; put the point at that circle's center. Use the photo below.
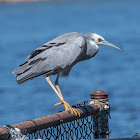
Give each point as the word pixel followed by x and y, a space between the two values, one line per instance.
pixel 15 133
pixel 81 104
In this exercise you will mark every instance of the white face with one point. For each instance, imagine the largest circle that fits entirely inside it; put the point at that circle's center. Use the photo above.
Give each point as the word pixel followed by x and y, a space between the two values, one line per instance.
pixel 97 38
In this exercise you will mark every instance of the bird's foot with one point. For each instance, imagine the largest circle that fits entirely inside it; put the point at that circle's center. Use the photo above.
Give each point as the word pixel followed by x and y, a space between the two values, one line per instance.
pixel 69 108
pixel 58 103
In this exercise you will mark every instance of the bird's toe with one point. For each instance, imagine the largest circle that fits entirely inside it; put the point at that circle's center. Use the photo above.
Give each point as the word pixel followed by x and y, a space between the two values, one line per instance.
pixel 58 103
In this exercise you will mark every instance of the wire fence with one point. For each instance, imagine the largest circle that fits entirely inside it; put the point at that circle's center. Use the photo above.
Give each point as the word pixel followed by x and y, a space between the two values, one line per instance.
pixel 78 129
pixel 92 123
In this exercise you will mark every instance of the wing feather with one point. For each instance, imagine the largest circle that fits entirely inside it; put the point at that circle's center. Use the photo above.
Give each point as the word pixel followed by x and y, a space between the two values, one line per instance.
pixel 66 54
pixel 58 41
pixel 53 57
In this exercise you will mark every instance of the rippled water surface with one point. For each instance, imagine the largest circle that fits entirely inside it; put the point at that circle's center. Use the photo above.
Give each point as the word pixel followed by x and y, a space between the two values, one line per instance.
pixel 26 26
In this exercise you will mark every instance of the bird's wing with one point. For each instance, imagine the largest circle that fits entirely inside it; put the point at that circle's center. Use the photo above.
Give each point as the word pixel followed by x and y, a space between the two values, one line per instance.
pixel 43 48
pixel 53 43
pixel 53 59
pixel 63 56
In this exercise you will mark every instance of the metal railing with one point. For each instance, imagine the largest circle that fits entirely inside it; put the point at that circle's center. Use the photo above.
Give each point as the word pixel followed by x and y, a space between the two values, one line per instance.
pixel 92 123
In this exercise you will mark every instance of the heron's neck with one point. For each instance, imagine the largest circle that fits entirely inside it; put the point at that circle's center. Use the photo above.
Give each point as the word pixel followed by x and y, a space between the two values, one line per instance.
pixel 89 51
pixel 92 48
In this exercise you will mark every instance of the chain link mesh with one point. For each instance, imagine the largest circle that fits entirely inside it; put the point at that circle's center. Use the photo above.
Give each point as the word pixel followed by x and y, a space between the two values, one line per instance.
pixel 77 130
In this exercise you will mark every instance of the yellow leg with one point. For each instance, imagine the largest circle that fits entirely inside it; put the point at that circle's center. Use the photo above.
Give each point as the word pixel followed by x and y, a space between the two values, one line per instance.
pixel 58 89
pixel 66 105
pixel 57 86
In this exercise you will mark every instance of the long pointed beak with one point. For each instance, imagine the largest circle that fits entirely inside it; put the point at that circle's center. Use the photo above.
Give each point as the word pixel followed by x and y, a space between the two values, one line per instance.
pixel 109 44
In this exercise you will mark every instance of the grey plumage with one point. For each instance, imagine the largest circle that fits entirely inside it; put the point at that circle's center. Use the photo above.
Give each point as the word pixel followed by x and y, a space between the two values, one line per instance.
pixel 59 55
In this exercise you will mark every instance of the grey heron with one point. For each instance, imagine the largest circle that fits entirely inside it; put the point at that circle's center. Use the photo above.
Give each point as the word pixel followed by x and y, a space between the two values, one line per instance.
pixel 58 56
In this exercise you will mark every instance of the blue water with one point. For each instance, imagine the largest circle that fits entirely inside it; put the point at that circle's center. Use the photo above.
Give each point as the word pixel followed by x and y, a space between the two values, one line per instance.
pixel 26 26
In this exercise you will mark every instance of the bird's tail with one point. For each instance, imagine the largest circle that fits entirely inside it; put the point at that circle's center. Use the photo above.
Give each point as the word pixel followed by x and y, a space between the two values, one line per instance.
pixel 30 70
pixel 23 73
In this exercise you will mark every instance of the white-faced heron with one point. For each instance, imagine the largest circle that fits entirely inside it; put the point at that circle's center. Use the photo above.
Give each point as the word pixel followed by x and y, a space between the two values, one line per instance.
pixel 58 56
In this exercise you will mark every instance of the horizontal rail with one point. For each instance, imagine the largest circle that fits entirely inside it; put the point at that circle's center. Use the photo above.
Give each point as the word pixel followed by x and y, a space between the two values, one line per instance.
pixel 34 125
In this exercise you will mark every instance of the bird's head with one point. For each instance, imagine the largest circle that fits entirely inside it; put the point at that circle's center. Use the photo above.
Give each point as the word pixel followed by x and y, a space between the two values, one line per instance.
pixel 96 39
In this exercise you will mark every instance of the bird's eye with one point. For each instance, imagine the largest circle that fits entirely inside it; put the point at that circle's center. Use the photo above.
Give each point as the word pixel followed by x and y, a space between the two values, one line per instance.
pixel 99 40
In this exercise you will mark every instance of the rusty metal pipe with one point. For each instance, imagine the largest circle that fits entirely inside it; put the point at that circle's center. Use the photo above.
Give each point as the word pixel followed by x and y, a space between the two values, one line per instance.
pixel 34 125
